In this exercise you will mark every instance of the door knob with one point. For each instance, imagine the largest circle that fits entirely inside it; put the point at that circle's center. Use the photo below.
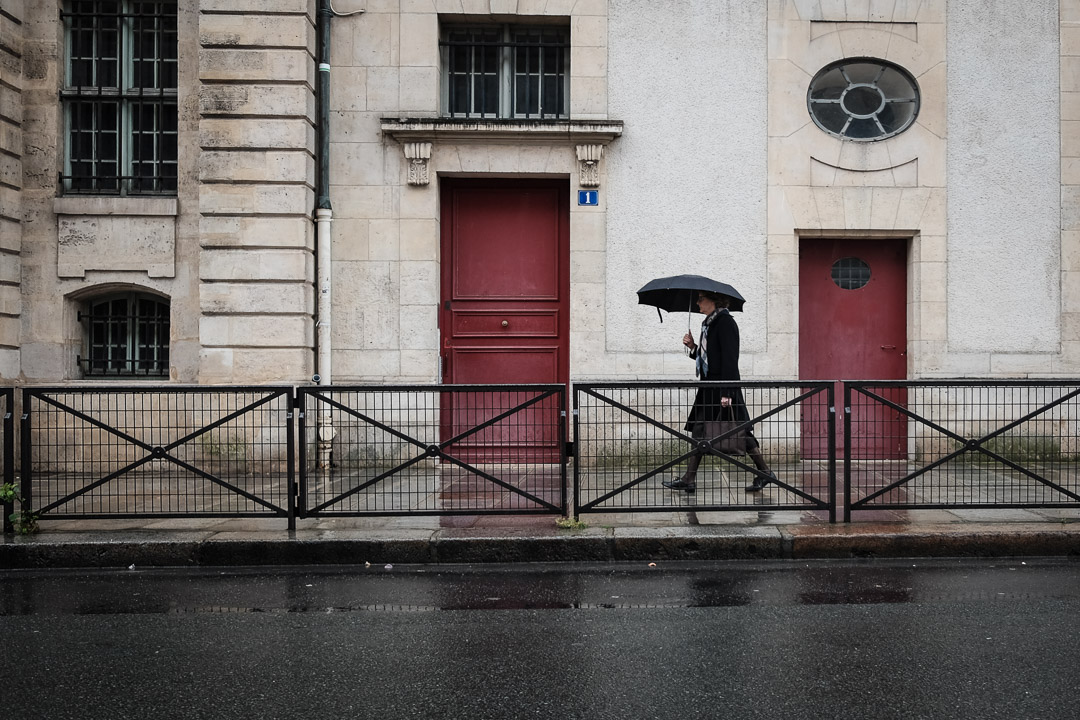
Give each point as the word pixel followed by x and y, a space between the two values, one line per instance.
pixel 505 323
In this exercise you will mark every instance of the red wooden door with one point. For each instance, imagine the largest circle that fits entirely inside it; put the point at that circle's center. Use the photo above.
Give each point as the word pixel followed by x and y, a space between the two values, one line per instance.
pixel 504 310
pixel 853 326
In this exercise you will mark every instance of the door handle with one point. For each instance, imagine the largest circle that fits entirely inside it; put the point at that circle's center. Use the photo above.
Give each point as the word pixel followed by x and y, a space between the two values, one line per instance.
pixel 506 323
pixel 888 347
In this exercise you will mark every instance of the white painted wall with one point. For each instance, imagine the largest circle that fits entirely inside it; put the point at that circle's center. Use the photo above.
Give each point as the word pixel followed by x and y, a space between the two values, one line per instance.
pixel 1003 176
pixel 686 183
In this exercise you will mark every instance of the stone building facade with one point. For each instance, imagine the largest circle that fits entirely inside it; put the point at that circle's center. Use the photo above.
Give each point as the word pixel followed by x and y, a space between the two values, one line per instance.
pixel 688 122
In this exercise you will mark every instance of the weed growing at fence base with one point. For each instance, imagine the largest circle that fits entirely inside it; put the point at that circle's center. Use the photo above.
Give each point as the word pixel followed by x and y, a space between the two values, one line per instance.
pixel 25 521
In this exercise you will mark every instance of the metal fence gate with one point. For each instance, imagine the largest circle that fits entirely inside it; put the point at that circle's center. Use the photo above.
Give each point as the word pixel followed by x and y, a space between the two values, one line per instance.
pixel 432 450
pixel 120 452
pixel 629 437
pixel 962 444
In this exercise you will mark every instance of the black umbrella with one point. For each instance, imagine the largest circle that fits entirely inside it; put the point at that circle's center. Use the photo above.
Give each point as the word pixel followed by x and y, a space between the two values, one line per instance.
pixel 678 293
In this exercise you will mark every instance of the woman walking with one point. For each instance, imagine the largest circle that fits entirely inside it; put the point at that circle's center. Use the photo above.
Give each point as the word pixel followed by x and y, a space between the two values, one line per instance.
pixel 717 358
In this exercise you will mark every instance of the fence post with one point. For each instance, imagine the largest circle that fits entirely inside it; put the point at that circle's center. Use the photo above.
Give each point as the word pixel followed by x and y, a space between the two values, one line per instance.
pixel 577 455
pixel 27 490
pixel 847 451
pixel 290 455
pixel 831 395
pixel 7 472
pixel 301 440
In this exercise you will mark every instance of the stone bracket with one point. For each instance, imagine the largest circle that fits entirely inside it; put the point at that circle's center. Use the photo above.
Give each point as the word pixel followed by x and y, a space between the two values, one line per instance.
pixel 418 154
pixel 589 165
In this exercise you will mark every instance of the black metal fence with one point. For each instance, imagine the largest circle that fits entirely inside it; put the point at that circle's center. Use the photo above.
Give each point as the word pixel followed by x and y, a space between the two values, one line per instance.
pixel 432 450
pixel 630 437
pixel 7 449
pixel 174 452
pixel 159 452
pixel 961 444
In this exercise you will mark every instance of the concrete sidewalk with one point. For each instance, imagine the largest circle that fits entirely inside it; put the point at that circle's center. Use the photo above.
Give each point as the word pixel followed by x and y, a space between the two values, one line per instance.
pixel 644 537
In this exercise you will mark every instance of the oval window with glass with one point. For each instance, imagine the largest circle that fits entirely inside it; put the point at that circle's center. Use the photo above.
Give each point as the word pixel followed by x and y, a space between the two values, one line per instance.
pixel 850 273
pixel 863 99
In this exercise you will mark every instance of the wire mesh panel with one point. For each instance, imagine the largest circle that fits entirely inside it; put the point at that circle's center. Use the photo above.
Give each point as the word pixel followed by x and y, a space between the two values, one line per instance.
pixel 976 444
pixel 424 450
pixel 158 452
pixel 630 438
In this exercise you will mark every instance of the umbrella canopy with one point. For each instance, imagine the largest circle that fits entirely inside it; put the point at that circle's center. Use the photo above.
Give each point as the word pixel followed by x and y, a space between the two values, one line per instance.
pixel 677 294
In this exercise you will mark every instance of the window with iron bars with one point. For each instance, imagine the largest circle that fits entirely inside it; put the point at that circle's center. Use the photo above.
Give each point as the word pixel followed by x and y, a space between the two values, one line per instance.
pixel 506 71
pixel 126 335
pixel 119 97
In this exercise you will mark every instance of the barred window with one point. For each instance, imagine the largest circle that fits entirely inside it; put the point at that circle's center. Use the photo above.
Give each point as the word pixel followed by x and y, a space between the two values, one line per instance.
pixel 126 335
pixel 119 97
pixel 506 71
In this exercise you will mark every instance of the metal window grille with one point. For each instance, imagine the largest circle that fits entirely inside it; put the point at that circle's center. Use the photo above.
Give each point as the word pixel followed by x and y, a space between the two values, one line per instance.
pixel 126 336
pixel 506 71
pixel 850 273
pixel 119 97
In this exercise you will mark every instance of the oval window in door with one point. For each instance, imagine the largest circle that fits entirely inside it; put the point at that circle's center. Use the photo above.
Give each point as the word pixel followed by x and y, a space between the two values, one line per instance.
pixel 850 273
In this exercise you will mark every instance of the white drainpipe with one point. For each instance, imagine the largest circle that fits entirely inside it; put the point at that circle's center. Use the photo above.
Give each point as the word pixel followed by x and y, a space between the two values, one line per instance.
pixel 323 216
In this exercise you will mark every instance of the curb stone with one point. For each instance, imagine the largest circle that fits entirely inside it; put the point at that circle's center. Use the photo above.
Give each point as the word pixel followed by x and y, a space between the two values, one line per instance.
pixel 510 545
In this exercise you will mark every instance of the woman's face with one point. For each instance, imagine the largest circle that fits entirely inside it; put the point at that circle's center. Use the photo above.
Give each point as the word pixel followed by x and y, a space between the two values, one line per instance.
pixel 705 305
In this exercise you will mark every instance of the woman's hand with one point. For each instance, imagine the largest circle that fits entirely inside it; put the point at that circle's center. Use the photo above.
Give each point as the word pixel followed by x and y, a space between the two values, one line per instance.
pixel 688 341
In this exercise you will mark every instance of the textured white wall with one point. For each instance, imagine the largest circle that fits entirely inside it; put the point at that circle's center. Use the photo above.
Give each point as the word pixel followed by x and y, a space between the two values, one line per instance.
pixel 1003 176
pixel 686 183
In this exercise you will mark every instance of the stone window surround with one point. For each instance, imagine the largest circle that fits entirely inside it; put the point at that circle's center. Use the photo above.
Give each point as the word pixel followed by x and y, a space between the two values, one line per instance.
pixel 115 205
pixel 109 292
pixel 416 136
pixel 110 233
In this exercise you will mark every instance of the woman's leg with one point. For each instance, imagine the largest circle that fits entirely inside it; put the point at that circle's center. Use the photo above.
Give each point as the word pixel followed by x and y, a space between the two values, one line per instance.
pixel 759 462
pixel 688 480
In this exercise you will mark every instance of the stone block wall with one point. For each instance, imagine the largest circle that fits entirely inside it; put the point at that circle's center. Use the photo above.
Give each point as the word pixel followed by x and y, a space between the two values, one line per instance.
pixel 1069 360
pixel 232 252
pixel 386 232
pixel 256 175
pixel 11 183
pixel 81 246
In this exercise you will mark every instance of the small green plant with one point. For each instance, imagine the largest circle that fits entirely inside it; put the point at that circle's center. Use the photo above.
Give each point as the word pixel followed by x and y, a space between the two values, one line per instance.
pixel 25 521
pixel 569 523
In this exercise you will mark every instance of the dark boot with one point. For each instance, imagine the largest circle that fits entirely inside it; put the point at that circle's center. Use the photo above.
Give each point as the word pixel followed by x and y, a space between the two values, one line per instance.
pixel 688 481
pixel 759 462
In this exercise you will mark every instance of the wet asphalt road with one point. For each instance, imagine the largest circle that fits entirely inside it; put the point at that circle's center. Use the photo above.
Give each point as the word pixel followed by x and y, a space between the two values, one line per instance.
pixel 914 639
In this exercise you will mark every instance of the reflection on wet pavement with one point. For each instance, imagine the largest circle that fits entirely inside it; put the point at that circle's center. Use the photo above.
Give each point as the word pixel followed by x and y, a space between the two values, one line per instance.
pixel 383 588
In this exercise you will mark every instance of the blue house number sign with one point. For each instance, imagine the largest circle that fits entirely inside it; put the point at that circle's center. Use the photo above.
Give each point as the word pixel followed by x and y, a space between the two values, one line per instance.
pixel 588 197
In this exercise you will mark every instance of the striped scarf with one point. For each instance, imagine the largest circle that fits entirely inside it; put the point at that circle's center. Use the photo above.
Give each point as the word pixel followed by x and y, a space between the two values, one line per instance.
pixel 702 366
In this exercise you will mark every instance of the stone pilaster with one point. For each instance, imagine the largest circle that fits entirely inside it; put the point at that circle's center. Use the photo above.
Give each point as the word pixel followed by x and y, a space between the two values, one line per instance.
pixel 11 184
pixel 1070 187
pixel 257 173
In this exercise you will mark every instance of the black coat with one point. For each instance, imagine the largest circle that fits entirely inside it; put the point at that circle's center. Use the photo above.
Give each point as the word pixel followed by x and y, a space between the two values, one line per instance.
pixel 722 350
